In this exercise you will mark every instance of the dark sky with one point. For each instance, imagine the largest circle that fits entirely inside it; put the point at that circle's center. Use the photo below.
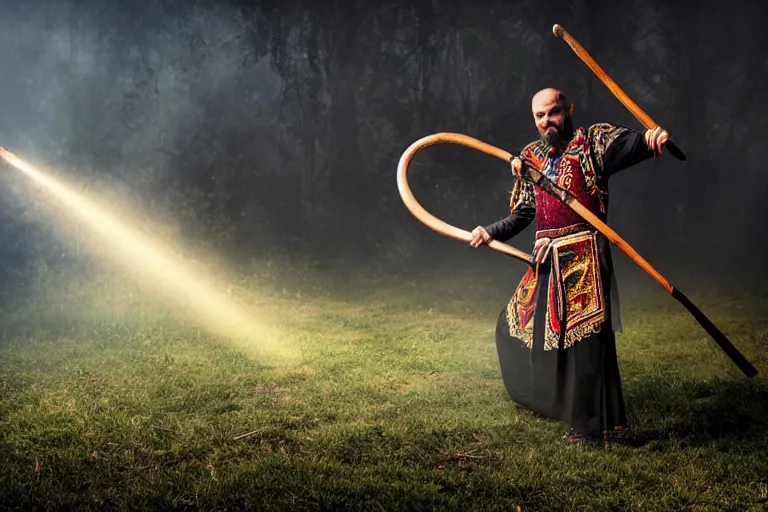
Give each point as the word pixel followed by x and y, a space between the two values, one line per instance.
pixel 257 127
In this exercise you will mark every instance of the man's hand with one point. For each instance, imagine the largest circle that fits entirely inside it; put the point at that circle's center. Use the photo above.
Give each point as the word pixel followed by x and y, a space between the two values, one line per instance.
pixel 479 236
pixel 517 168
pixel 541 249
pixel 655 139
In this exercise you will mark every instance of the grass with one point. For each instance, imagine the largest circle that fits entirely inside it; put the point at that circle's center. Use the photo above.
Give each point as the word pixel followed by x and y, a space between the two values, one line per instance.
pixel 395 403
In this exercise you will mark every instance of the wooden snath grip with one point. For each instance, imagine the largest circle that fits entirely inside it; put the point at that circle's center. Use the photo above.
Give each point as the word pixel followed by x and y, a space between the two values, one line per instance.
pixel 641 116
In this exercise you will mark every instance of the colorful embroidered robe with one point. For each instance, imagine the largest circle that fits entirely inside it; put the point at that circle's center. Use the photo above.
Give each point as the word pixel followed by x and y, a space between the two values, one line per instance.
pixel 576 294
pixel 570 374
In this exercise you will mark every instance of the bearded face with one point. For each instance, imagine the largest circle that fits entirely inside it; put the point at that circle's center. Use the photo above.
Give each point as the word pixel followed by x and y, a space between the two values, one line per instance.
pixel 553 117
pixel 559 135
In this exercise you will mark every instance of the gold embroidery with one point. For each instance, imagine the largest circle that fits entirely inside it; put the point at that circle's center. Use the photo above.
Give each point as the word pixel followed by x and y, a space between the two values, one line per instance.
pixel 576 271
pixel 522 194
pixel 521 308
pixel 576 275
pixel 565 178
pixel 560 232
pixel 601 136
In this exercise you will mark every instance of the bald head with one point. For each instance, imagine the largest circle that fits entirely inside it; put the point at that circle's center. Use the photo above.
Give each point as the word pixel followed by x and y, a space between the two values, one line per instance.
pixel 552 113
pixel 548 97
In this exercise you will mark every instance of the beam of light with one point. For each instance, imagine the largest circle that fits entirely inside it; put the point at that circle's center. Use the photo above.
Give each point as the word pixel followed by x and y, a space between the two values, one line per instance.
pixel 162 269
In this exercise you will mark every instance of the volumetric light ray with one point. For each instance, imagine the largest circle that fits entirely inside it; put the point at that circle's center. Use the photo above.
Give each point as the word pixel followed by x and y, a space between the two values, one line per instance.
pixel 158 266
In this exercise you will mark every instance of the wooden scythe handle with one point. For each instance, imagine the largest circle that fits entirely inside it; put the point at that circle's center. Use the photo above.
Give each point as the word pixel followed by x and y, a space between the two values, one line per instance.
pixel 532 174
pixel 641 116
pixel 430 220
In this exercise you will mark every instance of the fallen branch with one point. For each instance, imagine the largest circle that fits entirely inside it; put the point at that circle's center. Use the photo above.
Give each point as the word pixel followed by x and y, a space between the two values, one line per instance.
pixel 249 434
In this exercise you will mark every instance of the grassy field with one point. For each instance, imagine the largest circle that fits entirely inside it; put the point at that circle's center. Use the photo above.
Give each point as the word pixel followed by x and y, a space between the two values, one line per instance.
pixel 394 402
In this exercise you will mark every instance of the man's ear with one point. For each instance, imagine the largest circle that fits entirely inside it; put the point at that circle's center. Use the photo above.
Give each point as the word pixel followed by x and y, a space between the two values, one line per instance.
pixel 570 109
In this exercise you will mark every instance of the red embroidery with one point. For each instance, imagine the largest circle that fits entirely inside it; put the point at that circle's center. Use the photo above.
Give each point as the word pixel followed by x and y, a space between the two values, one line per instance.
pixel 574 284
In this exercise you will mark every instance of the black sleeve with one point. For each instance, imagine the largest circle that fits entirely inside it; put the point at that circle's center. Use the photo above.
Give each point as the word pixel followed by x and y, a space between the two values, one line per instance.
pixel 626 150
pixel 615 148
pixel 510 226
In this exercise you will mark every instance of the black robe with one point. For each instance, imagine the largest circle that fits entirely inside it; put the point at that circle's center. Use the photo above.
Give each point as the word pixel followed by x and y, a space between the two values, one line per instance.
pixel 579 385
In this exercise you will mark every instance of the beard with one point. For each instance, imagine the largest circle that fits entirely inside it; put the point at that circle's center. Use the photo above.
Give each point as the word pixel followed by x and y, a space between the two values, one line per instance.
pixel 560 137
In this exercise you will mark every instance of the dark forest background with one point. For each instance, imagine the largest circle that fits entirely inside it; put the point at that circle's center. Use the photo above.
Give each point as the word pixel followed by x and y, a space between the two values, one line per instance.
pixel 268 129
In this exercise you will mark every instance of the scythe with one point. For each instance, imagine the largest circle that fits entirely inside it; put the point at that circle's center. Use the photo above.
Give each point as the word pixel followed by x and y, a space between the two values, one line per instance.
pixel 531 173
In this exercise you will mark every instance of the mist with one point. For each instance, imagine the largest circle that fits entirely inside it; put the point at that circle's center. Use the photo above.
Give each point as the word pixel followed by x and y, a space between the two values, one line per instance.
pixel 273 130
pixel 214 297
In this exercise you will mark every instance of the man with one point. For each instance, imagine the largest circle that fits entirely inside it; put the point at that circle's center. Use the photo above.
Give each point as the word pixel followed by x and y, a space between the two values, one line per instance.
pixel 555 339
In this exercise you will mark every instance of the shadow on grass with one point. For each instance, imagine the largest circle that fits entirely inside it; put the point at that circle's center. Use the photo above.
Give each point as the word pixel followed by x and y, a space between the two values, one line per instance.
pixel 732 414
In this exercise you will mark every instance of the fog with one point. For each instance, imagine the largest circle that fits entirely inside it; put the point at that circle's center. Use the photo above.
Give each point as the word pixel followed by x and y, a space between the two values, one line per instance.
pixel 275 129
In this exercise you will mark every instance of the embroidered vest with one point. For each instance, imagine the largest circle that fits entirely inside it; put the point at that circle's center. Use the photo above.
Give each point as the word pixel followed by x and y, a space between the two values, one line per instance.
pixel 575 293
pixel 572 170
